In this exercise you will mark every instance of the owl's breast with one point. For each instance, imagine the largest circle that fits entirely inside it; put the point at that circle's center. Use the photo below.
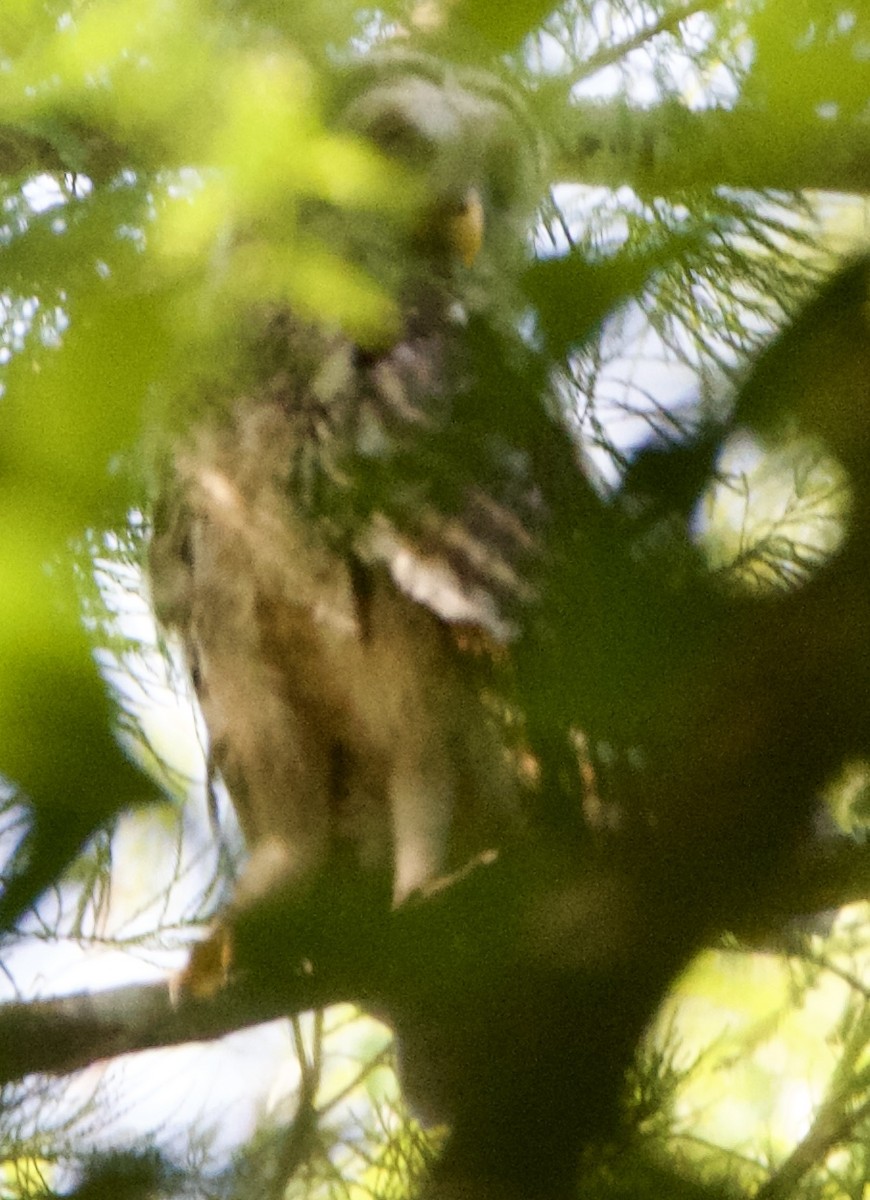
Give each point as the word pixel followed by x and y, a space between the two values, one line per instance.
pixel 337 704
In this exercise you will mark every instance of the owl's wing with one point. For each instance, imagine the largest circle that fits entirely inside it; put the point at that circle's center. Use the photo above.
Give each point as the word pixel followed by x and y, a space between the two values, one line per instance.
pixel 457 531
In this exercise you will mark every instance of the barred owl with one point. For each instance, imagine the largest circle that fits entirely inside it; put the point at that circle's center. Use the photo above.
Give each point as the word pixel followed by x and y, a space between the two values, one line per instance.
pixel 327 636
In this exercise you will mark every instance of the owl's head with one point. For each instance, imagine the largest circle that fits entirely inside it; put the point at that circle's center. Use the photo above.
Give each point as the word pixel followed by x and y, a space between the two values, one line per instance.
pixel 467 138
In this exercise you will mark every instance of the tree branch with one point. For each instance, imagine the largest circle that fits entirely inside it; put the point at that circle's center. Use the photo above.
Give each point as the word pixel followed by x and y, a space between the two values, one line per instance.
pixel 68 147
pixel 61 1035
pixel 659 151
pixel 838 1116
pixel 664 150
pixel 668 22
pixel 65 1034
pixel 826 874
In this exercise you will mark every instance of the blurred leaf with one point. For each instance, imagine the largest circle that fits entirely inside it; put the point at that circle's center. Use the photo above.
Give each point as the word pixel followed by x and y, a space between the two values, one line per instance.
pixel 811 58
pixel 126 1175
pixel 502 25
pixel 75 243
pixel 70 413
pixel 816 373
pixel 574 295
pixel 56 739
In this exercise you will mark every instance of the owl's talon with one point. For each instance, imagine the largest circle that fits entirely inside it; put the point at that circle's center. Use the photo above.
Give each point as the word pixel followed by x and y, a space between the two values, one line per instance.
pixel 207 970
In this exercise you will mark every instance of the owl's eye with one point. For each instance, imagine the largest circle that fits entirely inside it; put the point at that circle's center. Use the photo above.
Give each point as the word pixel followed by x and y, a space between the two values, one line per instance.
pixel 397 137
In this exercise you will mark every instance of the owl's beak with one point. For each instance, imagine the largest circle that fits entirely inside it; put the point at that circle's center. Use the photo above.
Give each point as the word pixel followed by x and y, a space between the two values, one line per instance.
pixel 465 227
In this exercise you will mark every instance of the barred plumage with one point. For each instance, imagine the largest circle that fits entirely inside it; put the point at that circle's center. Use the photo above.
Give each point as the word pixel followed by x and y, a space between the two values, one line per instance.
pixel 320 629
